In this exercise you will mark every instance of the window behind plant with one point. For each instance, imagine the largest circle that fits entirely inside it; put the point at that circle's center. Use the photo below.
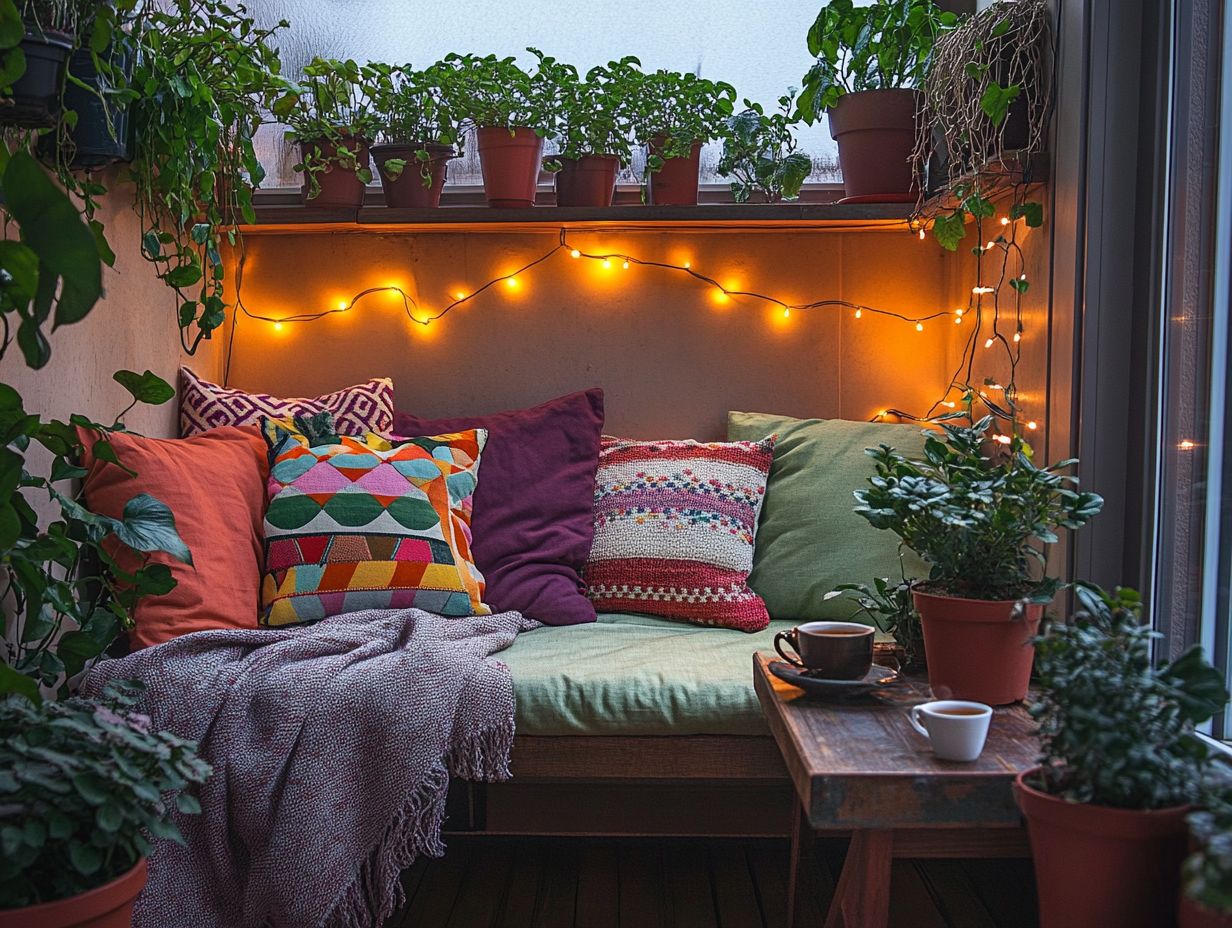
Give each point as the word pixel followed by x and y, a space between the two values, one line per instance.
pixel 759 48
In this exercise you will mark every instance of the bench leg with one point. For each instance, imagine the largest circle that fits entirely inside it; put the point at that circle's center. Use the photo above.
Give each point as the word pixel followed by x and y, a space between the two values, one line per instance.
pixel 801 873
pixel 862 897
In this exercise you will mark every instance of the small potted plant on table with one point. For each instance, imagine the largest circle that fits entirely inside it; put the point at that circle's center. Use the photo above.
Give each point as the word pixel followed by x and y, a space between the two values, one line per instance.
pixel 593 124
pixel 1206 901
pixel 1121 763
pixel 508 108
pixel 759 153
pixel 419 131
pixel 333 122
pixel 983 520
pixel 869 61
pixel 676 115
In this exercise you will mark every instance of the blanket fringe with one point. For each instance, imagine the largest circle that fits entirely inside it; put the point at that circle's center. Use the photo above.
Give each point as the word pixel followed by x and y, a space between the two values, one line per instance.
pixel 484 755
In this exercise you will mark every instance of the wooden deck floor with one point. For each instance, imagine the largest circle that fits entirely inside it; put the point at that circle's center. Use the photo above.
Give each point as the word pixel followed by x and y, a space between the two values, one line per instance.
pixel 488 882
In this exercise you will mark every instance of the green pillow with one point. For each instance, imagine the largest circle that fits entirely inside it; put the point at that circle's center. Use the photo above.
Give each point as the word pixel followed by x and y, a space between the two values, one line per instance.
pixel 808 538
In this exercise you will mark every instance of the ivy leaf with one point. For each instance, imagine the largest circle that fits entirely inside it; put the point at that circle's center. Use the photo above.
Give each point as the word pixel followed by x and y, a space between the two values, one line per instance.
pixel 1020 284
pixel 145 388
pixel 1031 211
pixel 149 525
pixel 950 230
pixel 185 275
pixel 997 99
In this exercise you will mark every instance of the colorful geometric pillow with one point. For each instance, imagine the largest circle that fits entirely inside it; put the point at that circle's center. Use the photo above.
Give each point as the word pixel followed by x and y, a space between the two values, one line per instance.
pixel 674 529
pixel 357 410
pixel 356 524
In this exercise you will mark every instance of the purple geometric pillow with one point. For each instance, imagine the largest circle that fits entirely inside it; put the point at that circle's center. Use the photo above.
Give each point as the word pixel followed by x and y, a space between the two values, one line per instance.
pixel 357 410
pixel 532 520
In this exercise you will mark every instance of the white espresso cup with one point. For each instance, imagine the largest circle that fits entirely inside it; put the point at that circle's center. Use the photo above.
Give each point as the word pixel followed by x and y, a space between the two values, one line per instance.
pixel 956 729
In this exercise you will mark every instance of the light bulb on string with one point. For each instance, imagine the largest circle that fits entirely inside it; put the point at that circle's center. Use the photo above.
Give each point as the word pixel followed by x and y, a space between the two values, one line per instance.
pixel 919 327
pixel 859 313
pixel 988 342
pixel 625 265
pixel 921 235
pixel 607 263
pixel 1032 425
pixel 1005 220
pixel 575 254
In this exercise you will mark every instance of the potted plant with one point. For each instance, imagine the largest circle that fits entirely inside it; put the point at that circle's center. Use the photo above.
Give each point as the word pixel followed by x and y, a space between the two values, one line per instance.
pixel 889 606
pixel 333 122
pixel 676 115
pixel 509 109
pixel 982 515
pixel 1120 765
pixel 869 61
pixel 1206 900
pixel 82 784
pixel 593 121
pixel 759 153
pixel 34 59
pixel 419 132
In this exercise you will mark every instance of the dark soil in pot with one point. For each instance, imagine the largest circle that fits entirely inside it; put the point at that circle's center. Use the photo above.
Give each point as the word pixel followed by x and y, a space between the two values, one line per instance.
pixel 108 906
pixel 587 181
pixel 341 188
pixel 408 190
pixel 35 101
pixel 510 162
pixel 1098 867
pixel 675 184
pixel 875 132
pixel 977 649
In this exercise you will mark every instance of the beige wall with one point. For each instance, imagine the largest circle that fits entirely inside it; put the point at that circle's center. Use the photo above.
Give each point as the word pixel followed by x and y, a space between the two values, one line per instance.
pixel 133 327
pixel 671 359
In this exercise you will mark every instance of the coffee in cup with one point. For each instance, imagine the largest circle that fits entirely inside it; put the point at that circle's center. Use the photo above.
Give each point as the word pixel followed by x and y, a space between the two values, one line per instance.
pixel 956 729
pixel 834 650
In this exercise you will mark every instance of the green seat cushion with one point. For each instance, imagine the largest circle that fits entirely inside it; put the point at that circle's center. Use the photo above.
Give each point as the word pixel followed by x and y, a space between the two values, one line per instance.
pixel 637 675
pixel 809 539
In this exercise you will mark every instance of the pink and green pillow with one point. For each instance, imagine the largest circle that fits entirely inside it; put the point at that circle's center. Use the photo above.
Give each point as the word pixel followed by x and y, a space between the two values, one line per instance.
pixel 357 524
pixel 674 525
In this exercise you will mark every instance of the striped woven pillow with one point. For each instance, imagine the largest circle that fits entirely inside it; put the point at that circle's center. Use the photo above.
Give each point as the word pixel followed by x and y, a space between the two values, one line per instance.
pixel 674 529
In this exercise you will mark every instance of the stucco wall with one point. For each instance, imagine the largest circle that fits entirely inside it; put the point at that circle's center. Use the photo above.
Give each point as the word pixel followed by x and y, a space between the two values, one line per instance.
pixel 672 359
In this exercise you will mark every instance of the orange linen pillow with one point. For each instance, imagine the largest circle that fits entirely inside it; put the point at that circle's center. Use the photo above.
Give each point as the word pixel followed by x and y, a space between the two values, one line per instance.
pixel 214 484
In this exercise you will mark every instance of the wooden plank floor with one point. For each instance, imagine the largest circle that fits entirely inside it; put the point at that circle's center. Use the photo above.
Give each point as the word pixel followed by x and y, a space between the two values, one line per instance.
pixel 490 882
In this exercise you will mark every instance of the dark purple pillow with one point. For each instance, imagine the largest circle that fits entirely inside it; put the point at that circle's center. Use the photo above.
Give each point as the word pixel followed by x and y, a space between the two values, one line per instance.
pixel 533 509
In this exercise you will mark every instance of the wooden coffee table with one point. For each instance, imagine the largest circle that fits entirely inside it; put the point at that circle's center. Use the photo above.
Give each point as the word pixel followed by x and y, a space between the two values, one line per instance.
pixel 860 769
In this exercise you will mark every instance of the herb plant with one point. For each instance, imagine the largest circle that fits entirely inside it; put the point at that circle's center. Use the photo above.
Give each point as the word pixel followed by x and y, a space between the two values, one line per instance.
pixel 416 107
pixel 82 782
pixel 675 111
pixel 1115 729
pixel 330 115
pixel 594 115
pixel 759 153
pixel 889 606
pixel 882 46
pixel 982 519
pixel 497 93
pixel 1208 870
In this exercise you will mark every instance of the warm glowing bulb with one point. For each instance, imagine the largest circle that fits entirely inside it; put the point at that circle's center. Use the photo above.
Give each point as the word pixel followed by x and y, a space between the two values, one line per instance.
pixel 983 289
pixel 990 246
pixel 1004 439
pixel 919 327
pixel 988 343
pixel 277 326
pixel 687 265
pixel 511 283
pixel 859 313
pixel 1032 426
pixel 921 235
pixel 1017 336
pixel 625 265
pixel 720 296
pixel 949 404
pixel 960 311
pixel 1185 445
pixel 958 320
pixel 786 313
pixel 343 304
pixel 607 263
pixel 1005 220
pixel 460 295
pixel 575 254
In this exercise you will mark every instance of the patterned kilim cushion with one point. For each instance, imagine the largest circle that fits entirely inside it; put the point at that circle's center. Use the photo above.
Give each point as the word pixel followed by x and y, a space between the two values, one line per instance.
pixel 358 410
pixel 674 529
pixel 355 524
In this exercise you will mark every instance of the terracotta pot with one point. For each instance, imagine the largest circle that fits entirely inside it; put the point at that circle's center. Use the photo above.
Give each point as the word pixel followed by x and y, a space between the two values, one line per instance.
pixel 108 906
pixel 587 181
pixel 340 188
pixel 977 649
pixel 510 165
pixel 1098 867
pixel 875 132
pixel 675 184
pixel 35 100
pixel 1193 915
pixel 407 190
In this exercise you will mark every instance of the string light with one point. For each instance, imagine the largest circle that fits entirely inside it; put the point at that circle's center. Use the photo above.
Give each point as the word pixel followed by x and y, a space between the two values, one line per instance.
pixel 277 326
pixel 1005 220
pixel 859 313
pixel 510 282
pixel 575 254
pixel 607 264
pixel 1032 425
pixel 1003 439
pixel 982 290
pixel 988 343
pixel 625 265
pixel 1018 336
pixel 343 305
pixel 922 235
pixel 1185 445
pixel 919 327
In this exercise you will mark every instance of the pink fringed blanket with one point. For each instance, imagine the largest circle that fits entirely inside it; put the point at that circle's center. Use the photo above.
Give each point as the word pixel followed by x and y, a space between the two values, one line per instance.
pixel 332 747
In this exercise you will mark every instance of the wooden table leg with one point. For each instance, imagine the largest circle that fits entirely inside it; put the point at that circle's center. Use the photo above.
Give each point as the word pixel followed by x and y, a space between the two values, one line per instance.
pixel 862 897
pixel 801 873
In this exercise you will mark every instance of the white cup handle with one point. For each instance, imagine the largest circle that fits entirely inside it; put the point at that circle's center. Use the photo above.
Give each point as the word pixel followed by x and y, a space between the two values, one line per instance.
pixel 914 718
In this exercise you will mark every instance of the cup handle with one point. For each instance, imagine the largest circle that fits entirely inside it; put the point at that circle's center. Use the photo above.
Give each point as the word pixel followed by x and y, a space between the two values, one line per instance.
pixel 914 718
pixel 790 638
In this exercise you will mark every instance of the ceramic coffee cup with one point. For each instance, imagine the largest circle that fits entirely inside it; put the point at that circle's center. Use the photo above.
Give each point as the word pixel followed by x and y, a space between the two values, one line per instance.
pixel 956 729
pixel 834 650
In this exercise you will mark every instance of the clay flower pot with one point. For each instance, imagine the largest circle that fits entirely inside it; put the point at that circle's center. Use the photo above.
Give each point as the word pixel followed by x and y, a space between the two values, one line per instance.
pixel 35 100
pixel 407 190
pixel 675 184
pixel 1193 915
pixel 510 161
pixel 108 906
pixel 875 132
pixel 1098 867
pixel 587 181
pixel 340 188
pixel 977 649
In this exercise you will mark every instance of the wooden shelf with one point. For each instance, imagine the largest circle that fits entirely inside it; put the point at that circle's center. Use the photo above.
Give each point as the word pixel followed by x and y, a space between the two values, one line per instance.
pixel 283 217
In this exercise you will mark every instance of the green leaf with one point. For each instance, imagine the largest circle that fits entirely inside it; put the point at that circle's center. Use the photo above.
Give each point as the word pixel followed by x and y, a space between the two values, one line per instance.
pixel 148 525
pixel 185 275
pixel 950 230
pixel 145 388
pixel 188 804
pixel 1031 211
pixel 13 682
pixel 12 29
pixel 997 99
pixel 86 858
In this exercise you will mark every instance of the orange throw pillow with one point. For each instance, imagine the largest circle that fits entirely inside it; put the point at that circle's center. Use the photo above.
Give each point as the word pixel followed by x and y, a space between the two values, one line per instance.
pixel 214 484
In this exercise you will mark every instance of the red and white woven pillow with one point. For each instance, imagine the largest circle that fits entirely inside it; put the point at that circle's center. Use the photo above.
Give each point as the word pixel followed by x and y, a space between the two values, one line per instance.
pixel 675 523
